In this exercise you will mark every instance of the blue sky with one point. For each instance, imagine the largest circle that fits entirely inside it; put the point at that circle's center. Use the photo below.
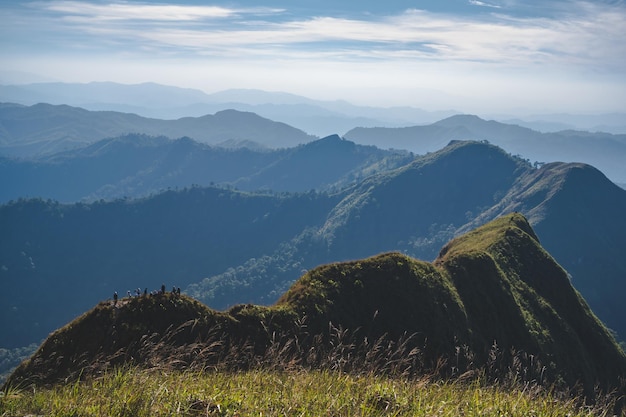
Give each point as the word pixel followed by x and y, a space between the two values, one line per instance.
pixel 474 56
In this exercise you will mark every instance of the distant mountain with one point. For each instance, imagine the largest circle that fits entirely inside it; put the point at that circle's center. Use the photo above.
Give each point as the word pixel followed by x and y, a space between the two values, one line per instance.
pixel 316 117
pixel 602 150
pixel 43 129
pixel 321 118
pixel 491 292
pixel 227 247
pixel 139 165
pixel 611 122
pixel 134 96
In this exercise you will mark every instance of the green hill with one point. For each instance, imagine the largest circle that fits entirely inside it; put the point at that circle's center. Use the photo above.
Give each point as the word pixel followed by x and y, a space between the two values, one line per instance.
pixel 490 292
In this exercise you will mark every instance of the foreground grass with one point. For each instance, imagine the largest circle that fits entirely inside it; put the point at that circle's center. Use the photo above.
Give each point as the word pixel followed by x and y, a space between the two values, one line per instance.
pixel 265 393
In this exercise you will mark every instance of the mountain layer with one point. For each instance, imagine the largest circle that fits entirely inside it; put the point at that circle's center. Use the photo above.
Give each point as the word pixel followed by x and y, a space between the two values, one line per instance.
pixel 44 129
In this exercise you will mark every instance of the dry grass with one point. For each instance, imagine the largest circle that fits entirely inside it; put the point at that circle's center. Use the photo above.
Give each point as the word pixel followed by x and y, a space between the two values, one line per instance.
pixel 136 392
pixel 338 378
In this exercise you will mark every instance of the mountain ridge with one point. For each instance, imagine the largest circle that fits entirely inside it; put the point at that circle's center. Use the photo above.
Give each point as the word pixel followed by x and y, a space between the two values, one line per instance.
pixel 496 271
pixel 602 150
pixel 138 165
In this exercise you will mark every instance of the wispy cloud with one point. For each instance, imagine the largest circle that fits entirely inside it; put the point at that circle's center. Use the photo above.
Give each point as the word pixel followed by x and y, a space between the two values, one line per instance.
pixel 483 4
pixel 147 12
pixel 582 36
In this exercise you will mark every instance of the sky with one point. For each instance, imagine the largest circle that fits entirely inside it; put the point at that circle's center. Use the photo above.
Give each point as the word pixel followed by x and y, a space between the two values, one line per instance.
pixel 470 55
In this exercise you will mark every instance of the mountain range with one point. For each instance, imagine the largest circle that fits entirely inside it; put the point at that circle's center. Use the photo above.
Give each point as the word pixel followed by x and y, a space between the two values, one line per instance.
pixel 225 247
pixel 603 150
pixel 493 300
pixel 139 165
pixel 317 117
pixel 42 130
pixel 320 118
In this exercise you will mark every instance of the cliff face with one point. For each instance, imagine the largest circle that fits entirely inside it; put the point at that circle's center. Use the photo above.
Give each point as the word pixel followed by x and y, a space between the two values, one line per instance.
pixel 490 291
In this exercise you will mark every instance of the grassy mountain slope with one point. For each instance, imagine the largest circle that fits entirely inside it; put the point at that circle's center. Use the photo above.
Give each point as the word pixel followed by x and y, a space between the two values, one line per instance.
pixel 43 129
pixel 516 270
pixel 492 286
pixel 579 216
pixel 573 207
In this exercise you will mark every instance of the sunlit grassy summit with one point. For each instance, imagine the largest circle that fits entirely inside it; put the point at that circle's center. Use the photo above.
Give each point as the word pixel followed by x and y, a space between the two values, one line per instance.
pixel 494 305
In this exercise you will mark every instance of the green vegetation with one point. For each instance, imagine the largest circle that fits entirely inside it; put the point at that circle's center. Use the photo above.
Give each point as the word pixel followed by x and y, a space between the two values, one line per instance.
pixel 135 392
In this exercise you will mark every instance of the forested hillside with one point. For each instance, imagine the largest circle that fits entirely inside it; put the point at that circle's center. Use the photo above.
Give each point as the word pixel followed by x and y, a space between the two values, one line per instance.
pixel 58 259
pixel 139 165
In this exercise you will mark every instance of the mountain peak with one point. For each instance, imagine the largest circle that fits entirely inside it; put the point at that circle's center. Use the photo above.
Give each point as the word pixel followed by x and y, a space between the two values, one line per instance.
pixel 460 120
pixel 488 235
pixel 331 141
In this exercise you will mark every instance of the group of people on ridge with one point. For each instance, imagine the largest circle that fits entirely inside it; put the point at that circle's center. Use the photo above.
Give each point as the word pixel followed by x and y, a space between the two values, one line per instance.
pixel 137 293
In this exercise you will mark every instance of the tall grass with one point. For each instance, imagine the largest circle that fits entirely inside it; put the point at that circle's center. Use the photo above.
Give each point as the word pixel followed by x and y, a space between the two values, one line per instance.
pixel 158 392
pixel 330 375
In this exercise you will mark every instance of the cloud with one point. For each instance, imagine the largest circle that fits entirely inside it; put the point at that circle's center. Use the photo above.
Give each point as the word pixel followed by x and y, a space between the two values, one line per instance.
pixel 483 4
pixel 147 12
pixel 580 37
pixel 126 11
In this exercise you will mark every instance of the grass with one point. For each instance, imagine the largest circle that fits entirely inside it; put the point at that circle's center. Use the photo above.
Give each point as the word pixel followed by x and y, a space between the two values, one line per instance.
pixel 136 392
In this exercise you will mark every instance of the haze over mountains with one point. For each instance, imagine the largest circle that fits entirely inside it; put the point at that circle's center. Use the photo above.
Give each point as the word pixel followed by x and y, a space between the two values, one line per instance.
pixel 137 165
pixel 316 117
pixel 42 130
